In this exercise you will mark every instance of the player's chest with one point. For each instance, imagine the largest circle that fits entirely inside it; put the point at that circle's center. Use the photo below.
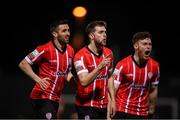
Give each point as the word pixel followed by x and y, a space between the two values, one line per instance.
pixel 136 75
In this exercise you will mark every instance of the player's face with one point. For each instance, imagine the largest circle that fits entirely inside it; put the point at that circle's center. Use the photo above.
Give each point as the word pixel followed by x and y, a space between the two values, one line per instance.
pixel 144 48
pixel 100 36
pixel 63 33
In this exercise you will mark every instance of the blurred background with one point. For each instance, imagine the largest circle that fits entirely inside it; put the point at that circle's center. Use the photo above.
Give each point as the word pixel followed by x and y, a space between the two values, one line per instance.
pixel 25 24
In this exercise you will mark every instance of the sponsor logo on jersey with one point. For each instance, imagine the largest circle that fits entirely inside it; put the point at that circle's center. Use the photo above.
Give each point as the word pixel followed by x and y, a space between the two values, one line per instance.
pixel 61 73
pixel 57 73
pixel 101 77
pixel 138 86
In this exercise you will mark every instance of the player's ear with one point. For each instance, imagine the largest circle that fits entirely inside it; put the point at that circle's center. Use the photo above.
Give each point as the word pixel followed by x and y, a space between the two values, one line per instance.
pixel 54 34
pixel 91 36
pixel 135 45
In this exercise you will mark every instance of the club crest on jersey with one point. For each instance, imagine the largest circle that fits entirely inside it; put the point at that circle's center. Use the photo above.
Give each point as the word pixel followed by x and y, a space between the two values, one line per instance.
pixel 150 74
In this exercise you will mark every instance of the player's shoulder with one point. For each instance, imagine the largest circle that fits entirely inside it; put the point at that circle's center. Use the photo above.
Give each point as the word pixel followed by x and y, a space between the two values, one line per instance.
pixel 81 52
pixel 124 61
pixel 106 49
pixel 44 46
pixel 70 47
pixel 153 61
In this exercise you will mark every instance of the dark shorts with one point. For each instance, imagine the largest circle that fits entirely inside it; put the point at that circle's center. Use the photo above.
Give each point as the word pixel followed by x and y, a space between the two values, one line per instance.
pixel 45 109
pixel 121 115
pixel 85 112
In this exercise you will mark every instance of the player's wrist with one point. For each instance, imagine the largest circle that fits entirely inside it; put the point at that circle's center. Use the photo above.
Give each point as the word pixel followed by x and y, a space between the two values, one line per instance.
pixel 100 67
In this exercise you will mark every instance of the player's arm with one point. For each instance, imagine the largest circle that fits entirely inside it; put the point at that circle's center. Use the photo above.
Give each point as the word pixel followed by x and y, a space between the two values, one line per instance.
pixel 111 98
pixel 86 78
pixel 69 76
pixel 27 69
pixel 60 108
pixel 153 93
pixel 152 99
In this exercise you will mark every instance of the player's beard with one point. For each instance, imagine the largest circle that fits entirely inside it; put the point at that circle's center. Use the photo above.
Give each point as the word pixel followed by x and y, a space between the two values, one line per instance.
pixel 62 40
pixel 100 43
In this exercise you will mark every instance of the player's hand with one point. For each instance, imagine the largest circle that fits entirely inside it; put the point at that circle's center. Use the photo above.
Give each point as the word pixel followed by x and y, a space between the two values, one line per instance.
pixel 112 109
pixel 151 111
pixel 108 111
pixel 44 83
pixel 106 61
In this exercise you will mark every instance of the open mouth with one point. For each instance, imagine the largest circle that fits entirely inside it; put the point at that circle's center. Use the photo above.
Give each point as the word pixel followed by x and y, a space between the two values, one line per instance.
pixel 147 52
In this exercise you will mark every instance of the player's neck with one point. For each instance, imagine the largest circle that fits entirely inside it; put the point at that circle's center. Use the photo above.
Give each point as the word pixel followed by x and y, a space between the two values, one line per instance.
pixel 94 48
pixel 61 46
pixel 138 60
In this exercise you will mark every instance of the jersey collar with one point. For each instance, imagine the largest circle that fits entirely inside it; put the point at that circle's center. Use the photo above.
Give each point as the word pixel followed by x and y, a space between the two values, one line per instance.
pixel 100 52
pixel 58 48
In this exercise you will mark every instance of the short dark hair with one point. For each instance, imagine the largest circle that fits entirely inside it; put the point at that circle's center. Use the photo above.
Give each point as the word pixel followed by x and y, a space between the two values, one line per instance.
pixel 56 23
pixel 90 27
pixel 140 36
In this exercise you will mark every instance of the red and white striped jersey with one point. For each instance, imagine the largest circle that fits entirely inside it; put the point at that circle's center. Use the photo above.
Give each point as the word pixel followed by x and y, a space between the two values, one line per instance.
pixel 134 83
pixel 94 94
pixel 52 64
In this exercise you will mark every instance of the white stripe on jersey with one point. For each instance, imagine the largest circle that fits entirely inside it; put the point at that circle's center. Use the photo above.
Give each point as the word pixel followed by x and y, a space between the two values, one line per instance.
pixel 67 62
pixel 94 83
pixel 142 89
pixel 134 77
pixel 104 84
pixel 28 60
pixel 57 68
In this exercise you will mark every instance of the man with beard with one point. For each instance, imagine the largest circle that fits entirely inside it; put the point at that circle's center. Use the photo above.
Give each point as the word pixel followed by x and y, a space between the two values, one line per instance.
pixel 55 62
pixel 136 79
pixel 93 64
